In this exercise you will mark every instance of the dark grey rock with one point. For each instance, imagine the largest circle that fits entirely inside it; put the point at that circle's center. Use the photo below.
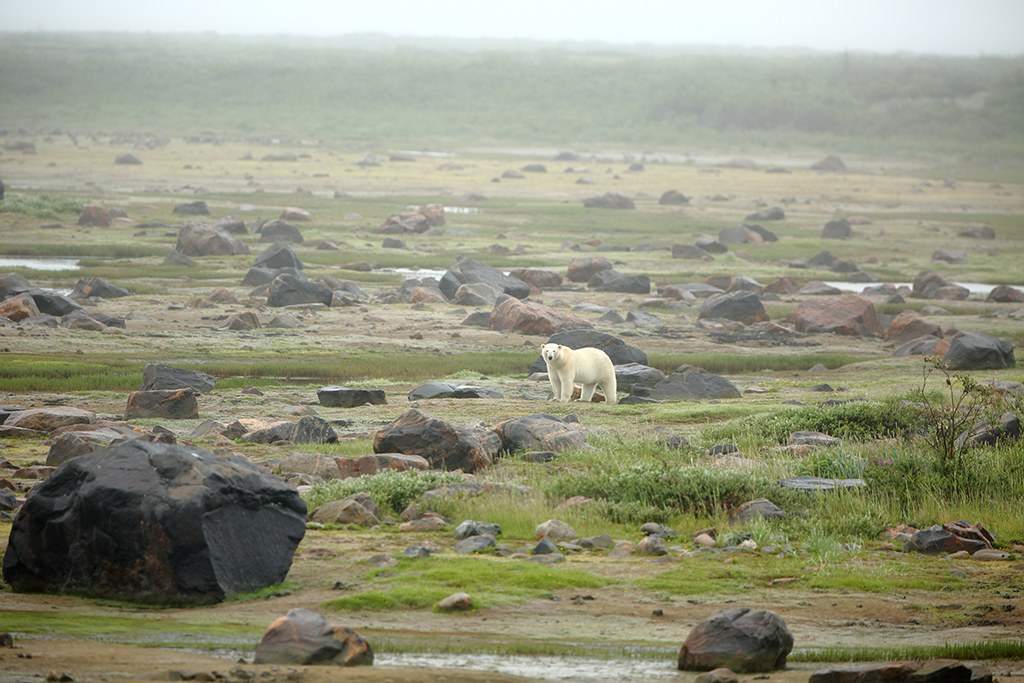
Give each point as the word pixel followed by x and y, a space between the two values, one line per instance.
pixel 470 527
pixel 288 290
pixel 156 376
pixel 278 255
pixel 741 639
pixel 156 523
pixel 342 397
pixel 446 390
pixel 465 271
pixel 474 544
pixel 976 351
pixel 693 384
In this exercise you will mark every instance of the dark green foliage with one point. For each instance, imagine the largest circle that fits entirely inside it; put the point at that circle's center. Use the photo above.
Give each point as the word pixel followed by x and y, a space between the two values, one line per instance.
pixel 647 491
pixel 390 490
pixel 40 206
pixel 857 420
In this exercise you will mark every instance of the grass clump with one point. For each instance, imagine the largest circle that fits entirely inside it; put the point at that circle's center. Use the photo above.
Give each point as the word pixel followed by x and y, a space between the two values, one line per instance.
pixel 658 491
pixel 41 206
pixel 390 490
pixel 854 420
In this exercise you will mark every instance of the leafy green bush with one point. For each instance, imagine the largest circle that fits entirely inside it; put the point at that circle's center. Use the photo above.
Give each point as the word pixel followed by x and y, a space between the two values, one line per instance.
pixel 391 490
pixel 856 420
pixel 41 206
pixel 645 490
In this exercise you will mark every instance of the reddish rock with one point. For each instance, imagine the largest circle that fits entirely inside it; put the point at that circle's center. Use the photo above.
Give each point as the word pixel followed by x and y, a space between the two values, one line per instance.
pixel 434 213
pixel 1006 294
pixel 170 404
pixel 19 307
pixel 93 214
pixel 527 317
pixel 49 419
pixel 910 324
pixel 444 445
pixel 782 285
pixel 303 637
pixel 849 315
pixel 378 462
pixel 927 345
pixel 538 277
pixel 422 295
pixel 195 239
pixel 582 269
pixel 925 278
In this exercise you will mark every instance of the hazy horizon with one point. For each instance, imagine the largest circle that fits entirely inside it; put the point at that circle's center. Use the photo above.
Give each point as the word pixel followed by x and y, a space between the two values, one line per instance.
pixel 941 27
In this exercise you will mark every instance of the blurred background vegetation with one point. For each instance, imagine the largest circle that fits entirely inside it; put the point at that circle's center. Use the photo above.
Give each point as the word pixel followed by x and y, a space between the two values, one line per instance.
pixel 435 93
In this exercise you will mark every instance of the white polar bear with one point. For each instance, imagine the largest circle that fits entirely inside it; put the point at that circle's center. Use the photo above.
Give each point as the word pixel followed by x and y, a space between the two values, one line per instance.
pixel 588 366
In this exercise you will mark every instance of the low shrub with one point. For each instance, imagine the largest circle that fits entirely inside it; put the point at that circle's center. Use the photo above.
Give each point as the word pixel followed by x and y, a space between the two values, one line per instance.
pixel 855 420
pixel 390 490
pixel 646 491
pixel 40 206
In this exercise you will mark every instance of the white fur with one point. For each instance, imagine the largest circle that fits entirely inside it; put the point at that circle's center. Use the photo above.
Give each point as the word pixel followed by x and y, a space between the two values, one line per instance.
pixel 588 366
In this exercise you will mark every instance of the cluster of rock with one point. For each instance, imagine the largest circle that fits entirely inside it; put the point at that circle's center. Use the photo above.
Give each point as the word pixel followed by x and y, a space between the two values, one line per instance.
pixel 20 302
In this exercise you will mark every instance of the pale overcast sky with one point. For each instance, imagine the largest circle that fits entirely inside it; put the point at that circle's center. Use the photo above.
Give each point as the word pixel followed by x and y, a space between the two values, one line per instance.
pixel 954 27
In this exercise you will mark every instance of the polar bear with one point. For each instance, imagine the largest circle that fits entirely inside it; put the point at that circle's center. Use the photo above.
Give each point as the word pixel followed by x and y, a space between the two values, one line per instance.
pixel 588 366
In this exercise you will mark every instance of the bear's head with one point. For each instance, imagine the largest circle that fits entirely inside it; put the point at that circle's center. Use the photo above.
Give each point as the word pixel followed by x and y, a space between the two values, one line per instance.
pixel 550 352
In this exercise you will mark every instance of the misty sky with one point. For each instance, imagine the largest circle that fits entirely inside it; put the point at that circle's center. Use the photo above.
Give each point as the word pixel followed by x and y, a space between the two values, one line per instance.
pixel 953 27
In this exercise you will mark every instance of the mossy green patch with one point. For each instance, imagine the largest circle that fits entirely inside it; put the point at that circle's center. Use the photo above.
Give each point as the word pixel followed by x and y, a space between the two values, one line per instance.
pixel 421 583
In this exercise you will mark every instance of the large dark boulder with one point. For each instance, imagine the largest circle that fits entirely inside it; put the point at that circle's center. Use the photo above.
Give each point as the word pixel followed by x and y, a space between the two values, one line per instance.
pixel 303 637
pixel 742 639
pixel 634 373
pixel 540 431
pixel 166 404
pixel 264 276
pixel 976 351
pixel 15 283
pixel 288 290
pixel 691 252
pixel 618 351
pixel 196 208
pixel 343 397
pixel 157 376
pixel 839 229
pixel 48 301
pixel 742 306
pixel 278 255
pixel 467 271
pixel 609 200
pixel 627 284
pixel 692 383
pixel 93 286
pixel 155 523
pixel 444 445
pixel 278 230
pixel 196 239
pixel 774 213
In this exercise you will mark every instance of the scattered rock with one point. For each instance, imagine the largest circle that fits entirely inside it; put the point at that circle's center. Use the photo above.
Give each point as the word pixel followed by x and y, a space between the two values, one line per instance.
pixel 740 639
pixel 976 351
pixel 303 637
pixel 848 315
pixel 342 397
